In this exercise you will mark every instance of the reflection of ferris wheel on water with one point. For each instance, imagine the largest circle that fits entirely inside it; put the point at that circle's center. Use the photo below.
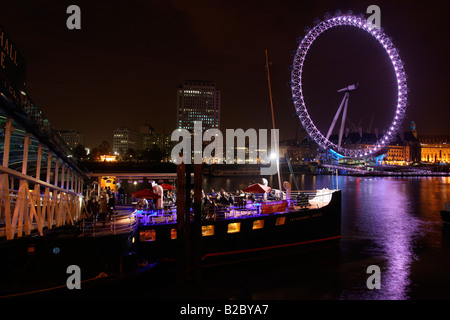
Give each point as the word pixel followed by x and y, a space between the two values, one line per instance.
pixel 298 98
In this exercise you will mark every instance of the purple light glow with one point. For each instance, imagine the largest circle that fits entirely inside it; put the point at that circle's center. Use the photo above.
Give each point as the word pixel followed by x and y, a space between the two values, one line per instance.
pixel 393 229
pixel 297 70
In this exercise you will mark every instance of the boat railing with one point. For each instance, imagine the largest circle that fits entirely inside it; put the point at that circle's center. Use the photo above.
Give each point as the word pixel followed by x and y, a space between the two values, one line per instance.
pixel 298 201
pixel 315 198
pixel 117 224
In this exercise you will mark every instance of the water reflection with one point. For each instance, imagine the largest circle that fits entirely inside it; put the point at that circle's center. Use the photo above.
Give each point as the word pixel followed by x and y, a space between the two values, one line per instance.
pixel 385 219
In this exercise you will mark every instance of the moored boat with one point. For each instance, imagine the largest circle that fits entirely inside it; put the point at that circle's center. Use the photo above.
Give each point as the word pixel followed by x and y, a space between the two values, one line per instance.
pixel 244 227
pixel 307 219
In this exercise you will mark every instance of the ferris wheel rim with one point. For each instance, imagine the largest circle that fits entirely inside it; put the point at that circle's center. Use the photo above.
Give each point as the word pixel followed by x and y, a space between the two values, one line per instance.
pixel 297 92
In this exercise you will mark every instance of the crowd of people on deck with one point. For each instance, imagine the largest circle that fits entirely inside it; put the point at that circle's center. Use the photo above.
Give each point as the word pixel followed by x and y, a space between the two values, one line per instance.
pixel 238 198
pixel 211 199
pixel 101 205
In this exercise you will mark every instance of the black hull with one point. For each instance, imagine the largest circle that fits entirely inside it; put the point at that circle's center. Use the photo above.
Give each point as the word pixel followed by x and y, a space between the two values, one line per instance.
pixel 445 215
pixel 35 260
pixel 304 228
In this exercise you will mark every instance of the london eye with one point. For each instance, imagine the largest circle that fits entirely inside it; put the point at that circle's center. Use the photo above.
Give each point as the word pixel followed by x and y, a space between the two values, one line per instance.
pixel 297 86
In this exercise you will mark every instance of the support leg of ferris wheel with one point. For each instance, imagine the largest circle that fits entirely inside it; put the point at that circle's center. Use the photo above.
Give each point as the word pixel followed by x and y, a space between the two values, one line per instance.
pixel 344 105
pixel 344 117
pixel 336 116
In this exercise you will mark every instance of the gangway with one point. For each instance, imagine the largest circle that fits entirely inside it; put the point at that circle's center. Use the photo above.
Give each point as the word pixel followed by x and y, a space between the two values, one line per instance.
pixel 40 186
pixel 40 183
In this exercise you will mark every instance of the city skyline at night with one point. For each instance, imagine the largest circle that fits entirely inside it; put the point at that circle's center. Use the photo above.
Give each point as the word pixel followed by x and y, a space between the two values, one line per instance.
pixel 231 157
pixel 124 66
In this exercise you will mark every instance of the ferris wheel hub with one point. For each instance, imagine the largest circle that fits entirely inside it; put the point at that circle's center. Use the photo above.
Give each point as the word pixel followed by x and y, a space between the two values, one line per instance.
pixel 349 88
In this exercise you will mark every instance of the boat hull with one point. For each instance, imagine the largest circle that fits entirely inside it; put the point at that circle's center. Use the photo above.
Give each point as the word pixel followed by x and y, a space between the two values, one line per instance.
pixel 39 260
pixel 248 236
pixel 445 215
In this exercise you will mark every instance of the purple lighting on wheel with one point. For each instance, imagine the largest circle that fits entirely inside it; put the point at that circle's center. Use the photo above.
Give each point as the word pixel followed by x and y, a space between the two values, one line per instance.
pixel 297 93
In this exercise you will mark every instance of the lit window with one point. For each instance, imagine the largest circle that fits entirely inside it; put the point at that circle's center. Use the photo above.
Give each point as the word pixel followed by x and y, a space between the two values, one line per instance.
pixel 280 221
pixel 234 227
pixel 173 233
pixel 258 224
pixel 208 230
pixel 147 235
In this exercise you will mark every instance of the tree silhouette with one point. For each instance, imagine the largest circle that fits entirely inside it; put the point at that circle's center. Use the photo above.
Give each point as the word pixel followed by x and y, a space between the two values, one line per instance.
pixel 79 152
pixel 104 147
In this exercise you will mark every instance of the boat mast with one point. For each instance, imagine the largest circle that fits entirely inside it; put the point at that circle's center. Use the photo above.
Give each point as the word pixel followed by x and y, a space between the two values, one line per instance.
pixel 273 121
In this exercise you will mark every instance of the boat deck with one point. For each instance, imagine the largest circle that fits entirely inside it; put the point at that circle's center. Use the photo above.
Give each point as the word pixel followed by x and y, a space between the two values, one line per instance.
pixel 300 201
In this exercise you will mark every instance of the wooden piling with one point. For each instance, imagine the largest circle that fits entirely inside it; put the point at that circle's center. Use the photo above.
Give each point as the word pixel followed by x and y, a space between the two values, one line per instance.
pixel 197 225
pixel 181 202
pixel 189 232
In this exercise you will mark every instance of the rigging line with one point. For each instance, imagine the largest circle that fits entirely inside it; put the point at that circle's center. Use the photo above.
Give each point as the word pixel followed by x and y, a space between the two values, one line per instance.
pixel 286 106
pixel 292 172
pixel 101 275
pixel 273 122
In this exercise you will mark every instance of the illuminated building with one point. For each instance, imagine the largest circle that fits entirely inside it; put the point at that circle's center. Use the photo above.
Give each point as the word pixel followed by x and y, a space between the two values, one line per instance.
pixel 298 151
pixel 125 139
pixel 72 137
pixel 152 139
pixel 404 150
pixel 108 158
pixel 435 149
pixel 198 101
pixel 147 136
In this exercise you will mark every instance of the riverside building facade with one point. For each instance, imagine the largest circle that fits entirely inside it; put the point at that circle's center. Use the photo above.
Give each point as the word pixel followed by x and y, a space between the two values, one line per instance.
pixel 126 138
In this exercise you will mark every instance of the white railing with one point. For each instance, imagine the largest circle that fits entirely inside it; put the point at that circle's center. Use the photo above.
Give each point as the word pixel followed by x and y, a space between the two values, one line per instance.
pixel 315 199
pixel 26 210
pixel 117 224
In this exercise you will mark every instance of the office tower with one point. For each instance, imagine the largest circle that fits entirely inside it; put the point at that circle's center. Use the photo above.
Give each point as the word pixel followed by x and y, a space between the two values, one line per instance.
pixel 198 101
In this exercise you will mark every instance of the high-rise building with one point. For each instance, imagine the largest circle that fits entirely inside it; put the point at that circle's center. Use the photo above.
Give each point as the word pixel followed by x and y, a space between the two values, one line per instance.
pixel 125 138
pixel 72 137
pixel 198 101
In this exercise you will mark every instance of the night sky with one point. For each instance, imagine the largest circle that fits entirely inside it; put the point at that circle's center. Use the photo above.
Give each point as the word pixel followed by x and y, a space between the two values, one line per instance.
pixel 123 67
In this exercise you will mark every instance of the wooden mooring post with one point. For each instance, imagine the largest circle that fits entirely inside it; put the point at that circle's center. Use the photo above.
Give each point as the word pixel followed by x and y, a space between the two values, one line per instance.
pixel 189 232
pixel 181 204
pixel 197 224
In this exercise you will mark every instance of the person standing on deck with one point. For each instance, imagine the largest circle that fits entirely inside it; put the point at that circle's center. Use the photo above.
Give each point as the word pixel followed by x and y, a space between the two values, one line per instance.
pixel 112 203
pixel 103 208
pixel 94 210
